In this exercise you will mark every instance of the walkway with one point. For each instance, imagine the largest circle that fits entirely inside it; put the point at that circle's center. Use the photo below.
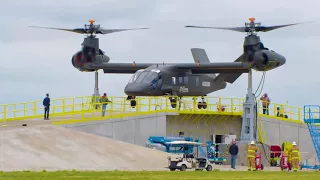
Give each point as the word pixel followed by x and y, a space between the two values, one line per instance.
pixel 82 109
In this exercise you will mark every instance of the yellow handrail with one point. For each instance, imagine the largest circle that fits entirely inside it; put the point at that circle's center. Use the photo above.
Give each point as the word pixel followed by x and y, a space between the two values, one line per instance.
pixel 85 108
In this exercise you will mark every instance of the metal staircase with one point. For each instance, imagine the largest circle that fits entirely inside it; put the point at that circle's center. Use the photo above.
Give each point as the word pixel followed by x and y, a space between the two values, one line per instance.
pixel 312 118
pixel 261 134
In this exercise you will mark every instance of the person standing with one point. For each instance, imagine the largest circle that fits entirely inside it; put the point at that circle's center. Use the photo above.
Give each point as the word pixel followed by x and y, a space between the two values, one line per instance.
pixel 251 156
pixel 104 101
pixel 46 104
pixel 233 150
pixel 265 103
pixel 295 156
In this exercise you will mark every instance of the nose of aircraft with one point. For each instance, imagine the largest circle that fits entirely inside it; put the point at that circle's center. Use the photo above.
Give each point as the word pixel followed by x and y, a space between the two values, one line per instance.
pixel 282 61
pixel 135 89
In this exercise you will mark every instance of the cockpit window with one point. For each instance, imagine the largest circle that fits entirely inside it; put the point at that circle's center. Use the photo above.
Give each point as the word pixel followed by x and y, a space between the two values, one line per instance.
pixel 135 76
pixel 141 77
pixel 150 77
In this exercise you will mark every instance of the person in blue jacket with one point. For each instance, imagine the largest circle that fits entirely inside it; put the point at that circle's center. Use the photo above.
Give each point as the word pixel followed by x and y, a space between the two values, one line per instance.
pixel 233 150
pixel 46 104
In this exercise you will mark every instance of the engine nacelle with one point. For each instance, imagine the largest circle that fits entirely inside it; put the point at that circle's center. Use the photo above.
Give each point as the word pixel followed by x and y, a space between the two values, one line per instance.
pixel 265 60
pixel 80 61
pixel 83 60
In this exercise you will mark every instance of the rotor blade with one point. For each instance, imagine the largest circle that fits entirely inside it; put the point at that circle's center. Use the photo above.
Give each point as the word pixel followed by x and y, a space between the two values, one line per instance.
pixel 239 29
pixel 108 31
pixel 78 30
pixel 270 28
pixel 246 29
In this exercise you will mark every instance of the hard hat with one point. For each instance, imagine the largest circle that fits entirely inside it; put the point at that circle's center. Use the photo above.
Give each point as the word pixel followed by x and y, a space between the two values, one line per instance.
pixel 294 143
pixel 252 142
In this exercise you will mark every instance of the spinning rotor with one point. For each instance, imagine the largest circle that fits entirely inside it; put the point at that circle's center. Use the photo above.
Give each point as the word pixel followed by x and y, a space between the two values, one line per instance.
pixel 91 29
pixel 251 28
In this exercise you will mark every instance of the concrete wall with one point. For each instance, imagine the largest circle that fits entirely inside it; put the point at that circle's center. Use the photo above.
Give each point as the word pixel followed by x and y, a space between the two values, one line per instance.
pixel 203 126
pixel 279 132
pixel 135 130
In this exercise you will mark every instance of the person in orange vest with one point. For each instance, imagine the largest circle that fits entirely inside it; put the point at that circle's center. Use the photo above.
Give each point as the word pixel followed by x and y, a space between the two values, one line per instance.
pixel 295 156
pixel 265 103
pixel 104 101
pixel 251 156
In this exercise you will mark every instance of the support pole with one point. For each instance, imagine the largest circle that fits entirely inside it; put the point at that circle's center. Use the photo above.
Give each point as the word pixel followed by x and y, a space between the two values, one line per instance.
pixel 96 95
pixel 96 84
pixel 249 115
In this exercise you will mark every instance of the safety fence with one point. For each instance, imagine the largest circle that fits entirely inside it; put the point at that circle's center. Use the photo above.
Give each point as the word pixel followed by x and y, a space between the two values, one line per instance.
pixel 87 108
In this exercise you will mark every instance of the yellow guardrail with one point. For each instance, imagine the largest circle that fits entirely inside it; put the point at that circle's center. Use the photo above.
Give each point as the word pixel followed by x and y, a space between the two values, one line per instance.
pixel 86 108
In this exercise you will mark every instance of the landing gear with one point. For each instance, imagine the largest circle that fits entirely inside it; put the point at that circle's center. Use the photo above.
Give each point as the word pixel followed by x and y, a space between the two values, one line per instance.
pixel 133 102
pixel 173 102
pixel 202 104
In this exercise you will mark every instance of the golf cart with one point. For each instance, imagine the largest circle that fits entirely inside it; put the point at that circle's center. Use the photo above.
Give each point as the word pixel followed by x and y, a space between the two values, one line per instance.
pixel 188 161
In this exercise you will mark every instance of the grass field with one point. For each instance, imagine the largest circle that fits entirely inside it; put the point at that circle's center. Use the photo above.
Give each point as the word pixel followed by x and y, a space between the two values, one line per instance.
pixel 140 175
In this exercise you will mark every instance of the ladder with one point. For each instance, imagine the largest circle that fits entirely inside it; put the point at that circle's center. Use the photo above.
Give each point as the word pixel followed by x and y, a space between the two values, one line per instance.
pixel 312 118
pixel 261 134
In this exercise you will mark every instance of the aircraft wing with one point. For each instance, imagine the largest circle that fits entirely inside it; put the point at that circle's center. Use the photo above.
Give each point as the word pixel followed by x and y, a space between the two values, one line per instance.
pixel 231 77
pixel 210 68
pixel 195 68
pixel 122 68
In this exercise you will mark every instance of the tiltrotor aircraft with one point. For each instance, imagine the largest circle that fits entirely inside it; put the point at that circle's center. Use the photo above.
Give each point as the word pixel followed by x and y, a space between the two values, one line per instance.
pixel 180 79
pixel 90 52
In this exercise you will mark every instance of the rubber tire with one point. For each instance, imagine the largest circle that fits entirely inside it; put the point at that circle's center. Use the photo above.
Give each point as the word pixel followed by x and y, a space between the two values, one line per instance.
pixel 199 105
pixel 183 167
pixel 175 103
pixel 133 103
pixel 209 168
pixel 204 106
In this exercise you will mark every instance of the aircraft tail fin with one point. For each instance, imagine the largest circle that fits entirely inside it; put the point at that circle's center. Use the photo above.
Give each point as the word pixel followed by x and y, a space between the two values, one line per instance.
pixel 199 55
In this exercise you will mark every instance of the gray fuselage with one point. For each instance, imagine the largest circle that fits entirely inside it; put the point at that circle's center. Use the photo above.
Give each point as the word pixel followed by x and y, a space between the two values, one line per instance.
pixel 163 79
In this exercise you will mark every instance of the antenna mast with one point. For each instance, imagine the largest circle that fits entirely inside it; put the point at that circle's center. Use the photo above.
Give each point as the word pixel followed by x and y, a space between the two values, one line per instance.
pixel 251 26
pixel 91 29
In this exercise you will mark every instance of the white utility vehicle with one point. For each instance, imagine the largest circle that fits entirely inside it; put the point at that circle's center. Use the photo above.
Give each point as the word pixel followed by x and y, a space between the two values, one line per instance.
pixel 188 161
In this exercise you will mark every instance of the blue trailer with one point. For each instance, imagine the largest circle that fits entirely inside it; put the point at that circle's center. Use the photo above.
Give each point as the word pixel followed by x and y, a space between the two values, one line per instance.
pixel 214 152
pixel 158 141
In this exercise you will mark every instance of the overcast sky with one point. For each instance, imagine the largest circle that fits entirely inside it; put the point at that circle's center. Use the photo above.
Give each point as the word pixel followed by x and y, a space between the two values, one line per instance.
pixel 37 61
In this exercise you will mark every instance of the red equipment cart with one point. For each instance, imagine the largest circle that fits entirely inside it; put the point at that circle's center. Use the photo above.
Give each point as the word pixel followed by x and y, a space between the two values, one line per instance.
pixel 284 162
pixel 275 155
pixel 259 165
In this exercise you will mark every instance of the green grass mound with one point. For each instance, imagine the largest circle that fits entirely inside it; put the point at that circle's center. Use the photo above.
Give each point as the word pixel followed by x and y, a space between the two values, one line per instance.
pixel 160 175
